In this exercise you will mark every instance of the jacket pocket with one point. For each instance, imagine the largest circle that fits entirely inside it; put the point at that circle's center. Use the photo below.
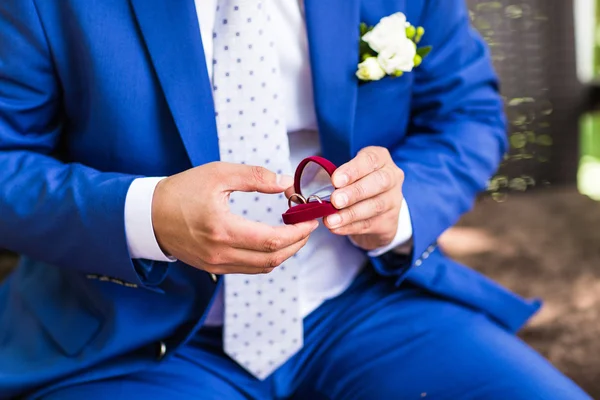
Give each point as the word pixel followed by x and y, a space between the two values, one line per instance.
pixel 385 91
pixel 63 310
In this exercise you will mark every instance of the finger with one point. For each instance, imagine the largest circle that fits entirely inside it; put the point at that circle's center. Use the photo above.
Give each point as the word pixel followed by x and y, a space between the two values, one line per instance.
pixel 368 160
pixel 251 235
pixel 256 262
pixel 250 178
pixel 289 192
pixel 371 185
pixel 376 225
pixel 220 269
pixel 234 269
pixel 365 209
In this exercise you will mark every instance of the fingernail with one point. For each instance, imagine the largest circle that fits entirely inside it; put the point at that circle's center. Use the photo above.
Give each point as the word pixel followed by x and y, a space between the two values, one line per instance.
pixel 340 200
pixel 284 181
pixel 334 220
pixel 314 228
pixel 341 180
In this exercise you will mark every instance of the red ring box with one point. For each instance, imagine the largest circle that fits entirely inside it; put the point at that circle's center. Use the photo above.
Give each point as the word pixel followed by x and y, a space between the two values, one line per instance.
pixel 307 173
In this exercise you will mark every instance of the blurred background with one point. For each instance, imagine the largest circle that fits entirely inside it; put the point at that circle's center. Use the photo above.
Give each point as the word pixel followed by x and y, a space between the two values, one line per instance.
pixel 537 230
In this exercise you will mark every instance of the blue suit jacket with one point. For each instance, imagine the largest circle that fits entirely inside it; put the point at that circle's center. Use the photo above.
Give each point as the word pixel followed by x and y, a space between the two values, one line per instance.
pixel 95 94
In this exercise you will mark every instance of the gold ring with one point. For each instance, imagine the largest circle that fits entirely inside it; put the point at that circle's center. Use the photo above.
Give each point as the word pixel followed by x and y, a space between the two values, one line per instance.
pixel 316 197
pixel 299 196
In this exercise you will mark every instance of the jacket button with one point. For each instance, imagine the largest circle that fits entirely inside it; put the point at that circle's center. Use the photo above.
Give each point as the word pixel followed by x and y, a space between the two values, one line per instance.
pixel 162 350
pixel 213 277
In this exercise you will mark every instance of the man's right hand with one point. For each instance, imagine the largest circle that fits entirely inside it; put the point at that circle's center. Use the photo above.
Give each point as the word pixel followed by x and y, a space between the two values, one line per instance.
pixel 192 221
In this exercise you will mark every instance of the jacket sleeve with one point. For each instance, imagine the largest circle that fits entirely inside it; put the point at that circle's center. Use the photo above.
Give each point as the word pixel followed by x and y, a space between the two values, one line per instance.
pixel 457 134
pixel 67 215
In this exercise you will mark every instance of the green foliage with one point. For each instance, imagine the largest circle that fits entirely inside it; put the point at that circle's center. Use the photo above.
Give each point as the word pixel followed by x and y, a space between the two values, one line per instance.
pixel 364 50
pixel 597 41
pixel 424 51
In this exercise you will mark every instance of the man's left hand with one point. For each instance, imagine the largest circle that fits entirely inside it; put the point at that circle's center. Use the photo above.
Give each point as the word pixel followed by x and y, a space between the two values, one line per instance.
pixel 369 196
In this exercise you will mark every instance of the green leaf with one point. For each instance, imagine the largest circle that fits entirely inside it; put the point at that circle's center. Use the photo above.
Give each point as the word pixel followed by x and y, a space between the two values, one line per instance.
pixel 424 51
pixel 363 28
pixel 365 50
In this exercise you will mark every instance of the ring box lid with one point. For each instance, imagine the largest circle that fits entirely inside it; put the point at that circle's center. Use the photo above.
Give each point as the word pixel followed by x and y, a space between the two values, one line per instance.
pixel 313 177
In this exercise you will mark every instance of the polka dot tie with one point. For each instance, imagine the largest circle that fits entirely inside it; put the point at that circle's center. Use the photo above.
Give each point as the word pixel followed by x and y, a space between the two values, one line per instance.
pixel 263 326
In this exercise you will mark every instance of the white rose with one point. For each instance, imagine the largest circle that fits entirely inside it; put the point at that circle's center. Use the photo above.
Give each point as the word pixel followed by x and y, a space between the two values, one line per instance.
pixel 387 33
pixel 370 70
pixel 398 58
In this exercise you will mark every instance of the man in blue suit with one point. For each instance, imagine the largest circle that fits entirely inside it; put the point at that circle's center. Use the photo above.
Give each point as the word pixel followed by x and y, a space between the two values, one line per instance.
pixel 142 171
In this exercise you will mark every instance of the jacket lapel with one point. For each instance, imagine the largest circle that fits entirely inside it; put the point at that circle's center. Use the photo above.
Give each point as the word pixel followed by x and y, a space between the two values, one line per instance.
pixel 172 36
pixel 333 35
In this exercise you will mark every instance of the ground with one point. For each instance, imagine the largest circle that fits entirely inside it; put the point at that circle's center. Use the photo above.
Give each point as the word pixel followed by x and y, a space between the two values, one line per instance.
pixel 543 243
pixel 546 244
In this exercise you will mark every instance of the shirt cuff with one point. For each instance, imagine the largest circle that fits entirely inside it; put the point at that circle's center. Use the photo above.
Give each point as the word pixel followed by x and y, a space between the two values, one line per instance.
pixel 402 243
pixel 139 230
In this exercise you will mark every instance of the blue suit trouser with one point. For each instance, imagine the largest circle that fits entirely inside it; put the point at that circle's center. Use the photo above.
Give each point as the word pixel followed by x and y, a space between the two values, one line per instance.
pixel 375 341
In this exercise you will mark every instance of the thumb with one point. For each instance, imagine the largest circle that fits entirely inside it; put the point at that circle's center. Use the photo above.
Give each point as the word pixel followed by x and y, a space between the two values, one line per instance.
pixel 246 178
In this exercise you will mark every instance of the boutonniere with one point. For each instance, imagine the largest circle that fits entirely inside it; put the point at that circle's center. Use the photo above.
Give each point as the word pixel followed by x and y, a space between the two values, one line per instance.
pixel 390 48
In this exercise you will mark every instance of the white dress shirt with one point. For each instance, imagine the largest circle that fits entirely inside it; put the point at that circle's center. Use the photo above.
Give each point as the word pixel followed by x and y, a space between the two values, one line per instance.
pixel 330 262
